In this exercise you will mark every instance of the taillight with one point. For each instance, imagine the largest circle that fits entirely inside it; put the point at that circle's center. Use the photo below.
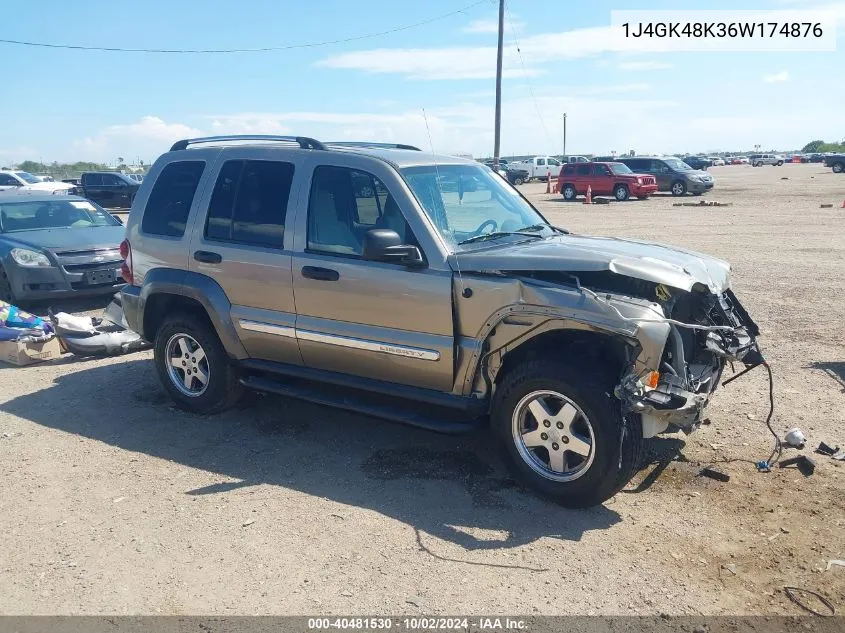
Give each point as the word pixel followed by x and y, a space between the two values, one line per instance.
pixel 126 266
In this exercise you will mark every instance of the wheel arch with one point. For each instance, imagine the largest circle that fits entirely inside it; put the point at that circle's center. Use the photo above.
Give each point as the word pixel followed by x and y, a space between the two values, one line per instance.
pixel 167 291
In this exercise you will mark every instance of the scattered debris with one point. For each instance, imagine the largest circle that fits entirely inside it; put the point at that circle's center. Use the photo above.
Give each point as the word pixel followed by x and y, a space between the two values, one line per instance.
pixel 730 567
pixel 715 474
pixel 750 416
pixel 118 499
pixel 784 178
pixel 414 600
pixel 791 594
pixel 784 530
pixel 247 523
pixel 795 438
pixel 703 203
pixel 824 449
pixel 92 336
pixel 805 465
pixel 840 456
pixel 601 201
pixel 346 593
pixel 835 561
pixel 825 206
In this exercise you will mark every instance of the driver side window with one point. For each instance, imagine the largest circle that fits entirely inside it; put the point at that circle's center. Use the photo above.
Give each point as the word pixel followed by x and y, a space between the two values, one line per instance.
pixel 346 203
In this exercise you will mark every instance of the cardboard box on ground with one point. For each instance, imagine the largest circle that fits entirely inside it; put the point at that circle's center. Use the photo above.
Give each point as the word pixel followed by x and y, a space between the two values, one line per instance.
pixel 27 353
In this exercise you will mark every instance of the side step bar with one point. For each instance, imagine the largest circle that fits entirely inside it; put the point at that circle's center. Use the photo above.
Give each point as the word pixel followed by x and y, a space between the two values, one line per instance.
pixel 364 404
pixel 472 406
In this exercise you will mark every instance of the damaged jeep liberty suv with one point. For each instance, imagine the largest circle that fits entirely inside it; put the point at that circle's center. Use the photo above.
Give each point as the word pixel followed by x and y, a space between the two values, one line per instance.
pixel 423 289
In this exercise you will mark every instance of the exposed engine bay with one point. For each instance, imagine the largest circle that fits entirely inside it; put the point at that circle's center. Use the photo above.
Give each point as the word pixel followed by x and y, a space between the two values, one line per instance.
pixel 706 331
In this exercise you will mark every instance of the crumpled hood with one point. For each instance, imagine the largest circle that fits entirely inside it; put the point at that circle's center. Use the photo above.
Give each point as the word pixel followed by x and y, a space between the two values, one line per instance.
pixel 650 261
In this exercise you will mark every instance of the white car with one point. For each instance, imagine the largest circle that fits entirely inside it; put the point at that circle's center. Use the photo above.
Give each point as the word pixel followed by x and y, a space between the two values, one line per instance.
pixel 717 161
pixel 22 180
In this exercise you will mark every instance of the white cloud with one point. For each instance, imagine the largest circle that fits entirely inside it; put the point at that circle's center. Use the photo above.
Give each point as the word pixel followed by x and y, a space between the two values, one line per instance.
pixel 146 137
pixel 776 77
pixel 478 62
pixel 644 65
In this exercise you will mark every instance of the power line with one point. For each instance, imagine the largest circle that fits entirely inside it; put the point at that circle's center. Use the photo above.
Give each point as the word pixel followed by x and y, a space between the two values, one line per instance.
pixel 266 49
pixel 527 78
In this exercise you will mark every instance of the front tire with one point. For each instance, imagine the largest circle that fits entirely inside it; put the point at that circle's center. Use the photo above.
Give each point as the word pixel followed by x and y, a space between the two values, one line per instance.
pixel 6 293
pixel 517 181
pixel 563 434
pixel 620 192
pixel 678 188
pixel 193 366
pixel 569 192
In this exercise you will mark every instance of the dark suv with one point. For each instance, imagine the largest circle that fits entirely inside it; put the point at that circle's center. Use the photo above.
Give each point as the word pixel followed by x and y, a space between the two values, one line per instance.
pixel 672 174
pixel 426 290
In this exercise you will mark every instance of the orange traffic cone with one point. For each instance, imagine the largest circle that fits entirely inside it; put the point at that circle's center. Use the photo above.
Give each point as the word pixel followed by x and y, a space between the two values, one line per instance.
pixel 588 199
pixel 549 183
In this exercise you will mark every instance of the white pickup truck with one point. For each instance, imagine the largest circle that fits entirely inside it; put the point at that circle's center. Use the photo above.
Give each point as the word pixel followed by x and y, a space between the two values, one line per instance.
pixel 538 167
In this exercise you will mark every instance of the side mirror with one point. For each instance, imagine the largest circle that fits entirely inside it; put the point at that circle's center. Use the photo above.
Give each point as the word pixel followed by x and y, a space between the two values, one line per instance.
pixel 384 245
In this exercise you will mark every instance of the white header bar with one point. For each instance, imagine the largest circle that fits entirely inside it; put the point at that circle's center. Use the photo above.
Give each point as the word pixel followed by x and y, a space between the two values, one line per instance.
pixel 645 30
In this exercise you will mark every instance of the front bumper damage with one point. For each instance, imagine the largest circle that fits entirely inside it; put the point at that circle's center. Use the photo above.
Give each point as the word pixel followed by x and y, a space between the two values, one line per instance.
pixel 673 395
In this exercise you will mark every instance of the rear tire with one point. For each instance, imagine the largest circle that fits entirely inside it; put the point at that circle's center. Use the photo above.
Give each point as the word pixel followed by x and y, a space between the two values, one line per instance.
pixel 569 192
pixel 212 383
pixel 590 422
pixel 620 192
pixel 838 168
pixel 517 181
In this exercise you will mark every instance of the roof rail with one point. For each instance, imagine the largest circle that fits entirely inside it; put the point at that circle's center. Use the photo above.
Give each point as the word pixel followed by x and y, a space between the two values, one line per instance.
pixel 303 141
pixel 372 145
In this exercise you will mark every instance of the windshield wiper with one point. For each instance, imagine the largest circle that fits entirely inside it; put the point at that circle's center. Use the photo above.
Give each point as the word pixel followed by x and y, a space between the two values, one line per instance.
pixel 540 227
pixel 496 234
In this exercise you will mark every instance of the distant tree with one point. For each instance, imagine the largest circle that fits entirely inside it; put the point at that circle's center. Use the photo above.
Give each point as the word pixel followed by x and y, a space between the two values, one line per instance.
pixel 812 147
pixel 31 166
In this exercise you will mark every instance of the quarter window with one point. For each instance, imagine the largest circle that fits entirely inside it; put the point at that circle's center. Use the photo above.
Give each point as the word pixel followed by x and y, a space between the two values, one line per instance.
pixel 249 203
pixel 170 200
pixel 582 170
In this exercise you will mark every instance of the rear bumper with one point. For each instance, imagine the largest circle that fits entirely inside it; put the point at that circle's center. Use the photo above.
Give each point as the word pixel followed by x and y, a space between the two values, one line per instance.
pixel 132 309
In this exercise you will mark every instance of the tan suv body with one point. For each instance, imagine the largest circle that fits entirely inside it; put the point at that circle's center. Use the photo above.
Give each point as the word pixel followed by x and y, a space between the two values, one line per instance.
pixel 426 290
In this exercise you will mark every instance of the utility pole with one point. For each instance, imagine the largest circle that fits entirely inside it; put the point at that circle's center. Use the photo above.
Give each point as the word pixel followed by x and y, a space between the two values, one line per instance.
pixel 564 134
pixel 497 133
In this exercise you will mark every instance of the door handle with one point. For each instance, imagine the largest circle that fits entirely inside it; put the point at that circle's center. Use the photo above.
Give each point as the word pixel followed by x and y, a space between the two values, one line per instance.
pixel 207 257
pixel 321 274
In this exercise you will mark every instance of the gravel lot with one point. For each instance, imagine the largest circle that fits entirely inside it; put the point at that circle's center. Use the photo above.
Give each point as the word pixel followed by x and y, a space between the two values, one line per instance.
pixel 113 502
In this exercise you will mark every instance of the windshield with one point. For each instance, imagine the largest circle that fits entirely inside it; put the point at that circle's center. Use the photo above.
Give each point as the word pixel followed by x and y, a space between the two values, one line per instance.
pixel 60 214
pixel 464 201
pixel 619 169
pixel 25 175
pixel 677 165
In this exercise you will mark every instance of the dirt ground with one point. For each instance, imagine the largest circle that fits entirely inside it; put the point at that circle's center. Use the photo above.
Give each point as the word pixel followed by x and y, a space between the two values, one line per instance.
pixel 114 502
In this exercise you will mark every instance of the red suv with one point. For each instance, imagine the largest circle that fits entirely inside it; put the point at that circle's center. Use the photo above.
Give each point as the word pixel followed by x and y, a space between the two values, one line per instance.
pixel 604 179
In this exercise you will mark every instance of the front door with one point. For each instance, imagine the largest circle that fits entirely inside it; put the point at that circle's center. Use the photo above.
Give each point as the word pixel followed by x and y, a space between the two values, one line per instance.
pixel 241 245
pixel 380 320
pixel 582 178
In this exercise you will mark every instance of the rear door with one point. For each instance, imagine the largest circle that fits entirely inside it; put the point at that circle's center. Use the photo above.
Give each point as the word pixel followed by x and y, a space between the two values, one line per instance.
pixel 374 319
pixel 241 242
pixel 602 179
pixel 662 173
pixel 582 177
pixel 92 185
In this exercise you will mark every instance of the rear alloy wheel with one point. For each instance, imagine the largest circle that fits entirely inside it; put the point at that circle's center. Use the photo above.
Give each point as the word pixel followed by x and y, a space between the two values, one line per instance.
pixel 838 168
pixel 517 181
pixel 193 366
pixel 569 192
pixel 678 188
pixel 620 192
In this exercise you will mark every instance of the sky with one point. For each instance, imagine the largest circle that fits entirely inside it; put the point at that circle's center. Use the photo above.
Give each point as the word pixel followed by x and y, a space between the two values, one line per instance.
pixel 431 85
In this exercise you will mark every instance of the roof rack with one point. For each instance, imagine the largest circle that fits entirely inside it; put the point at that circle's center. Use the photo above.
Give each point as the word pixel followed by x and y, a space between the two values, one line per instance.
pixel 372 145
pixel 303 141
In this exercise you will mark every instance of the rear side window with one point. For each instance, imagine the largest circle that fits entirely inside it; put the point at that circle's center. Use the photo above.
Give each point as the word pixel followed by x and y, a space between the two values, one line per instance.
pixel 582 170
pixel 249 204
pixel 93 180
pixel 170 200
pixel 569 169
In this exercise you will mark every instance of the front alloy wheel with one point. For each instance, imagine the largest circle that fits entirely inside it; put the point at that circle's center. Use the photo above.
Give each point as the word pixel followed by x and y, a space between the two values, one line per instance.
pixel 678 188
pixel 569 192
pixel 553 435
